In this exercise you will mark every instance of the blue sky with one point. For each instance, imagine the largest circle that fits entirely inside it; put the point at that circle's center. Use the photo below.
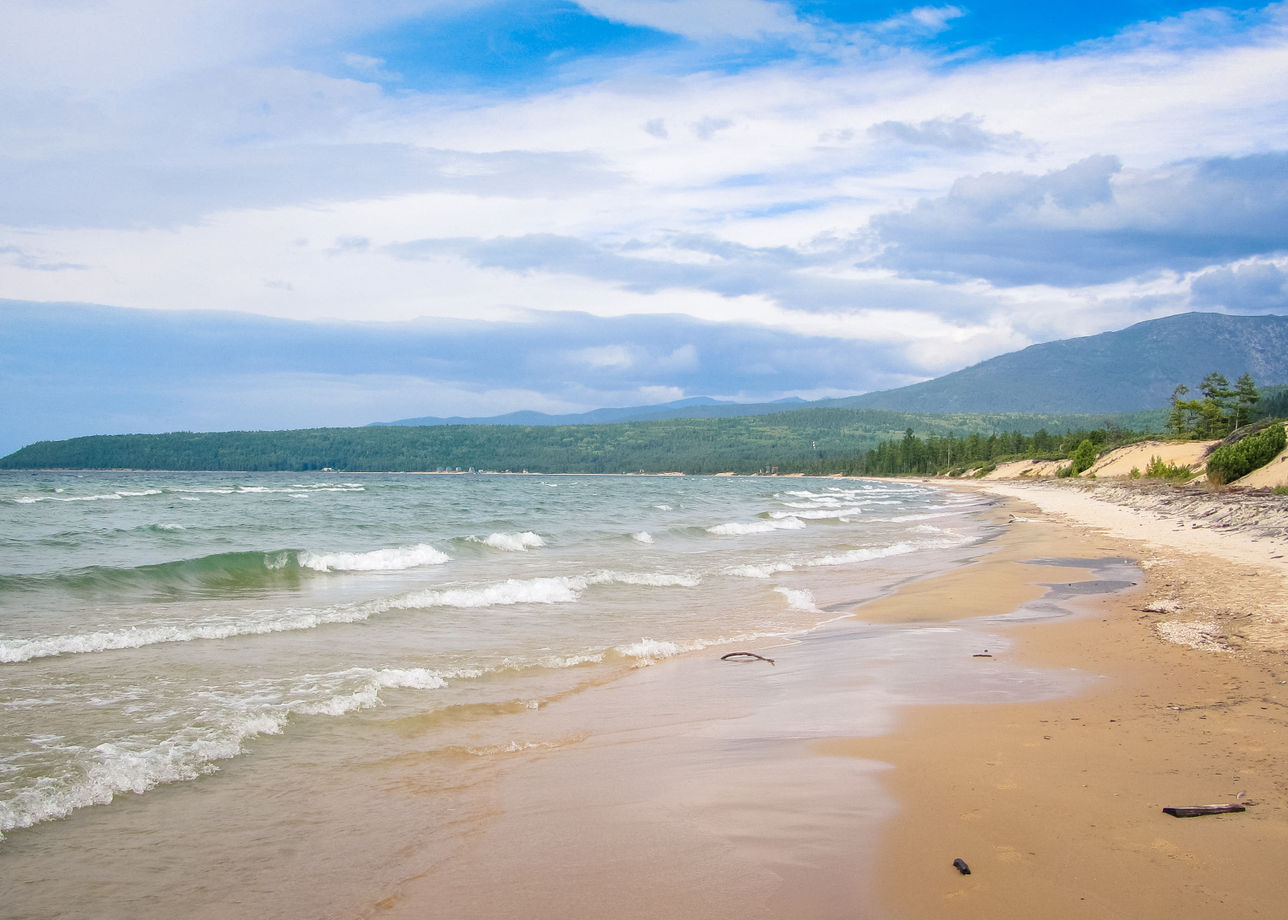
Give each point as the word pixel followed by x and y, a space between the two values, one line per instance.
pixel 314 212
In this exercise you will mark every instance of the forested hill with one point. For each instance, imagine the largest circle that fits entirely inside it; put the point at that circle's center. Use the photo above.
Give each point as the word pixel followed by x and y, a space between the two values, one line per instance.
pixel 1129 370
pixel 805 440
pixel 1134 368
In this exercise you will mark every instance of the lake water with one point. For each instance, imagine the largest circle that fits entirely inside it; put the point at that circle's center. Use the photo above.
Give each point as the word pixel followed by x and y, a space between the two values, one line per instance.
pixel 253 694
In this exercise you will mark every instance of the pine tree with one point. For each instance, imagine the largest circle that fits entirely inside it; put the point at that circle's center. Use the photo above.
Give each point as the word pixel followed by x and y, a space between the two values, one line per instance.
pixel 1246 396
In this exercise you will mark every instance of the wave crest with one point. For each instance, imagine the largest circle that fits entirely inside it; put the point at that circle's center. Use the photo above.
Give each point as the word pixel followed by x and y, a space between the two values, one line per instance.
pixel 738 529
pixel 377 560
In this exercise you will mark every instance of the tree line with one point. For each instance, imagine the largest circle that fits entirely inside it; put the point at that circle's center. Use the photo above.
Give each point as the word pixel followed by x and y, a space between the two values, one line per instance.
pixel 806 440
pixel 819 441
pixel 1223 411
pixel 1223 408
pixel 951 455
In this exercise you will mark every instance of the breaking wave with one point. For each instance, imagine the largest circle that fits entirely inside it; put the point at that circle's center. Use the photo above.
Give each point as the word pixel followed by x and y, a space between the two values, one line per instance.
pixel 737 529
pixel 95 776
pixel 510 542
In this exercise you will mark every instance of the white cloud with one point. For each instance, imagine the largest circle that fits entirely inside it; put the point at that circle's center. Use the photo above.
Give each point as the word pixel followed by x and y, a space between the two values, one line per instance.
pixel 1245 287
pixel 605 356
pixel 1093 222
pixel 702 19
pixel 923 19
pixel 179 155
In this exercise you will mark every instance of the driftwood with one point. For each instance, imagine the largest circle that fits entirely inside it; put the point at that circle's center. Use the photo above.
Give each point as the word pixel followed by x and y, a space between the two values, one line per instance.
pixel 960 865
pixel 745 656
pixel 1193 811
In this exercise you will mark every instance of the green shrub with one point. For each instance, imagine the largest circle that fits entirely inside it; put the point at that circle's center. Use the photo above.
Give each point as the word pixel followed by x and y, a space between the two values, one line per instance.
pixel 1157 469
pixel 1280 490
pixel 1233 461
pixel 1084 455
pixel 1064 472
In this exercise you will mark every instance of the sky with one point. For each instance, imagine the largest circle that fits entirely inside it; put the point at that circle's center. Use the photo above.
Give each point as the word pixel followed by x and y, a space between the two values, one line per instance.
pixel 231 214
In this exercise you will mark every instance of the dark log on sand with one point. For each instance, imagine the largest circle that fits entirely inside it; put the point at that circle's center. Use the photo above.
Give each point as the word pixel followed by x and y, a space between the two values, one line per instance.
pixel 745 656
pixel 1193 811
pixel 960 865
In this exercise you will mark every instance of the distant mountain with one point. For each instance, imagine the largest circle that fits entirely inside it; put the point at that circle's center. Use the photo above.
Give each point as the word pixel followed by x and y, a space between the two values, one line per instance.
pixel 695 407
pixel 1132 369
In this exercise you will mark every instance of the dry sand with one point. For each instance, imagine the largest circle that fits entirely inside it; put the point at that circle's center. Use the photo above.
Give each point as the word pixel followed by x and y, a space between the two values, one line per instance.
pixel 1138 456
pixel 1122 462
pixel 1057 806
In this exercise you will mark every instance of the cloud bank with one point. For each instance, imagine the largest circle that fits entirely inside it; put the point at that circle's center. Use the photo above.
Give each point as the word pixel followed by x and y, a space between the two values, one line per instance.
pixel 595 203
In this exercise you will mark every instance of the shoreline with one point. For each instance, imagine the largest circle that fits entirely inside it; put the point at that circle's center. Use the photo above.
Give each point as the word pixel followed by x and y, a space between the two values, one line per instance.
pixel 1057 806
pixel 780 809
pixel 1004 696
pixel 767 800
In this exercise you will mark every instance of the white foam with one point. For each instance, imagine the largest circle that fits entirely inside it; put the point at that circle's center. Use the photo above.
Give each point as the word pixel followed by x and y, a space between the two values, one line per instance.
pixel 15 650
pixel 647 579
pixel 379 560
pixel 99 774
pixel 838 513
pixel 561 589
pixel 556 590
pixel 649 650
pixel 764 570
pixel 926 516
pixel 105 497
pixel 511 542
pixel 799 599
pixel 738 529
pixel 863 555
pixel 642 537
pixel 553 662
pixel 547 590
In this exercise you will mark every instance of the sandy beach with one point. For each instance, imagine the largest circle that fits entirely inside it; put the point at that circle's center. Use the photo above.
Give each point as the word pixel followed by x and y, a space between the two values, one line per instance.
pixel 1057 806
pixel 1168 690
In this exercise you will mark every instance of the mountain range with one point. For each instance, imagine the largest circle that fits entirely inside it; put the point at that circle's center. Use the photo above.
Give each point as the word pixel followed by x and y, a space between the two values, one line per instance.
pixel 1132 369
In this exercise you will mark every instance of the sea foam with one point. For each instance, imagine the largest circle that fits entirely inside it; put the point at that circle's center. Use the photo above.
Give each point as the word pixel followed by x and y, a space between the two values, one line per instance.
pixel 97 775
pixel 561 589
pixel 737 529
pixel 511 542
pixel 799 599
pixel 379 560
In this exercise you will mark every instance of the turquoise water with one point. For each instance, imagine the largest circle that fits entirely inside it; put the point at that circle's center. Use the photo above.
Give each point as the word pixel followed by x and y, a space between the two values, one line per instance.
pixel 169 640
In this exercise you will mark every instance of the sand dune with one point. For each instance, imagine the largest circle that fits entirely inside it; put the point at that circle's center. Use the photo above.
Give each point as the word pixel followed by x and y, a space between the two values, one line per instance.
pixel 1120 463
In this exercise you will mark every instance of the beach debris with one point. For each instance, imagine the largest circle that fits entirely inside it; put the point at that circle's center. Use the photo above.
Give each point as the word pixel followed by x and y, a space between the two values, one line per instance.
pixel 983 654
pixel 1193 811
pixel 745 656
pixel 960 865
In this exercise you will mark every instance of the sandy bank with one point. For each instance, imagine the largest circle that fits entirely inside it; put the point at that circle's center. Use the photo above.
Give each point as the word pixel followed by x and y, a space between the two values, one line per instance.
pixel 1123 462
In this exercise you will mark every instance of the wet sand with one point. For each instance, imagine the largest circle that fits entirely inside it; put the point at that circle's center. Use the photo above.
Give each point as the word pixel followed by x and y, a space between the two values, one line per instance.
pixel 717 790
pixel 1057 806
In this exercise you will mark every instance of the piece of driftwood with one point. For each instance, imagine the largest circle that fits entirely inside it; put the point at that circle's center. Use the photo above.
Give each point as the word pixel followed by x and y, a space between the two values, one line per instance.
pixel 1193 811
pixel 960 865
pixel 745 656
